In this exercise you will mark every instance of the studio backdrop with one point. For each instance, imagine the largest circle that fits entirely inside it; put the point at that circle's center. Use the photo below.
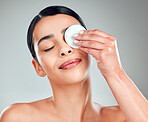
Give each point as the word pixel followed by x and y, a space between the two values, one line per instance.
pixel 125 20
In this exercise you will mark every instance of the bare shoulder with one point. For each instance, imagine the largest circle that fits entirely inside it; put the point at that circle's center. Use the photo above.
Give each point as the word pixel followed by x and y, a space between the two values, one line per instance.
pixel 15 112
pixel 112 113
pixel 26 112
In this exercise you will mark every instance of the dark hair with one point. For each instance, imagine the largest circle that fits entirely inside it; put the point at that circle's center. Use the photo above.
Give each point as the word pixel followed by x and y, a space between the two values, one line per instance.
pixel 48 11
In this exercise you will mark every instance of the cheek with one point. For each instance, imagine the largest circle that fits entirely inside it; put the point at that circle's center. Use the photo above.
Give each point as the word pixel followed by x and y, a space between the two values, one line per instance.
pixel 88 60
pixel 48 63
pixel 84 55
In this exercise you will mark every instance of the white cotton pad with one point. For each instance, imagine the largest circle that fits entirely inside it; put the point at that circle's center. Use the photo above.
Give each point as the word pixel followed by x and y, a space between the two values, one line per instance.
pixel 70 32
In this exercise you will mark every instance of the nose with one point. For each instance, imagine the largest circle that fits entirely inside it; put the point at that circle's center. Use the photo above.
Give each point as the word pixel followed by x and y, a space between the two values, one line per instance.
pixel 65 50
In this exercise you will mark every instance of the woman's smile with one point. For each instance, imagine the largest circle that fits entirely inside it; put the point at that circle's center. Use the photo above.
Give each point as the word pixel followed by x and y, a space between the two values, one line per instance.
pixel 71 65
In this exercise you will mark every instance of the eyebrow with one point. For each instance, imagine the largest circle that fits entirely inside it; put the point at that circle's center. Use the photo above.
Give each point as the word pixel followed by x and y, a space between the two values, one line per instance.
pixel 50 36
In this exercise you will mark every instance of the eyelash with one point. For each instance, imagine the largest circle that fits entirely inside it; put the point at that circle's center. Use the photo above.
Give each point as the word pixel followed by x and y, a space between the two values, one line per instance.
pixel 49 49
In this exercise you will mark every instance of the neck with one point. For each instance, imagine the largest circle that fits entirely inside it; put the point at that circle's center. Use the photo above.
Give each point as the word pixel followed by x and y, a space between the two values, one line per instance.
pixel 73 101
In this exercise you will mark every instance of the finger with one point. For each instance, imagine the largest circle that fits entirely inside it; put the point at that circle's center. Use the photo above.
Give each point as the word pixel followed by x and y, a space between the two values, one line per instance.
pixel 90 44
pixel 99 32
pixel 93 37
pixel 95 53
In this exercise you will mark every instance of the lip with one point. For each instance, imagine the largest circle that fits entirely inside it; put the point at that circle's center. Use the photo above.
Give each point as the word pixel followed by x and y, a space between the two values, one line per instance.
pixel 70 62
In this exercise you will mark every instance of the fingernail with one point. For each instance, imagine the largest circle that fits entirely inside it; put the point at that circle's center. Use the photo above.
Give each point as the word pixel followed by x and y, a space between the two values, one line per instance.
pixel 81 32
pixel 75 41
pixel 75 35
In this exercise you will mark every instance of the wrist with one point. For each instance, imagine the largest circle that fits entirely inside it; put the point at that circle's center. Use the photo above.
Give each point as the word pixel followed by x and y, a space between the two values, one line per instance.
pixel 117 75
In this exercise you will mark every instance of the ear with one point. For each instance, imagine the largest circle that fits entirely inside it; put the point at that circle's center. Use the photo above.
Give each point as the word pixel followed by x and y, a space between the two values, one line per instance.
pixel 39 70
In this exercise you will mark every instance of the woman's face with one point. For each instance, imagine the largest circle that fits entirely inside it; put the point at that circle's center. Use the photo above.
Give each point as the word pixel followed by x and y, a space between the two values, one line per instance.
pixel 51 60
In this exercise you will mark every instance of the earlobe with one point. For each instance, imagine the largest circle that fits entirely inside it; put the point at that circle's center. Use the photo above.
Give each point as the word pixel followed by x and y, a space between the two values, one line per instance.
pixel 39 70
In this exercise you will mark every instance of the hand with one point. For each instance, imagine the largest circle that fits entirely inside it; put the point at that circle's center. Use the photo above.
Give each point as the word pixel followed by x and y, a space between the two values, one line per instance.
pixel 103 48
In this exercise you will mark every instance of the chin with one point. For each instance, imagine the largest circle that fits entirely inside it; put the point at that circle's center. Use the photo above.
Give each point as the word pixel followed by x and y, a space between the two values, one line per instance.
pixel 76 76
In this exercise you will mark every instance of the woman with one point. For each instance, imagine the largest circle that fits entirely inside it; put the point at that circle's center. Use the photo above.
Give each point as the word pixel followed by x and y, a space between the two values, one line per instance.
pixel 72 99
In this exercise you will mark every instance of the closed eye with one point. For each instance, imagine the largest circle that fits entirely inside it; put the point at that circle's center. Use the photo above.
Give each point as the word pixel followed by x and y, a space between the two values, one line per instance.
pixel 48 49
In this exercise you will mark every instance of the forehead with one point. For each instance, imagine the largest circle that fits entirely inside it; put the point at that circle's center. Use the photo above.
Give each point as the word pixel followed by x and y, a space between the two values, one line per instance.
pixel 53 24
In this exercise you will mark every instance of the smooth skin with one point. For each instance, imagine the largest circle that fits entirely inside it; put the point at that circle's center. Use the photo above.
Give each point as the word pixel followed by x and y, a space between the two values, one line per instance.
pixel 72 99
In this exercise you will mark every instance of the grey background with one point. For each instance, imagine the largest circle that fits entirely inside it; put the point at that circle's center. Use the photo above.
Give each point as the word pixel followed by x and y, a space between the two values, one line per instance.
pixel 126 20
